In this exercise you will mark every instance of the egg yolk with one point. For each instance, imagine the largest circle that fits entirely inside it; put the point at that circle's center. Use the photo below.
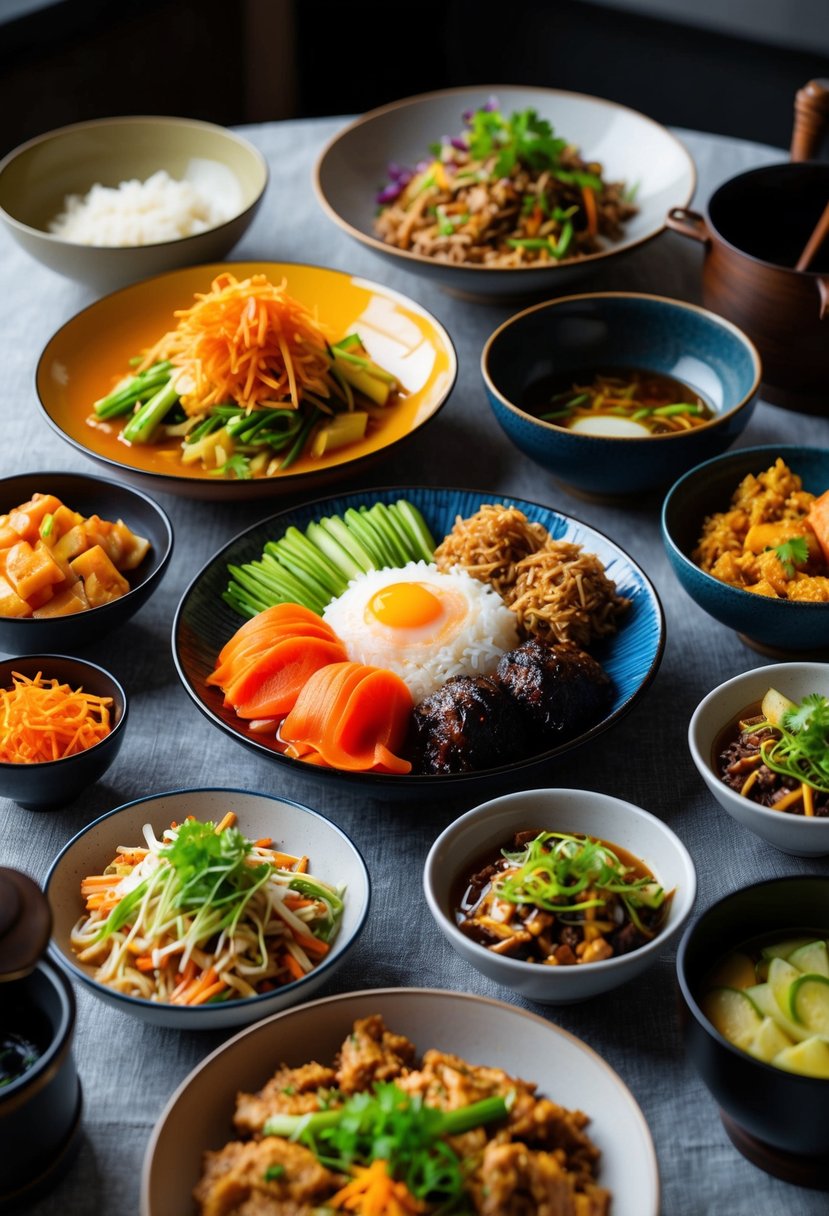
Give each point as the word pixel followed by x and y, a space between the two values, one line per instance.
pixel 405 606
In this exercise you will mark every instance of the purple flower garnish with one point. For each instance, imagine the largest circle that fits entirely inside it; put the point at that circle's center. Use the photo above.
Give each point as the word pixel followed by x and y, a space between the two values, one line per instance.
pixel 460 144
pixel 468 115
pixel 396 171
pixel 492 103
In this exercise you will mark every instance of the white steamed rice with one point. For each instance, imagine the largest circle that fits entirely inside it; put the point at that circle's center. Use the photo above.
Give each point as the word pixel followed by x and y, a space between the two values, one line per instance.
pixel 138 213
pixel 472 646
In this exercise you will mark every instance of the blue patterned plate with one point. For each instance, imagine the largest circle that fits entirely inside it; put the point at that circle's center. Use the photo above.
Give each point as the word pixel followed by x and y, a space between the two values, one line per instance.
pixel 203 624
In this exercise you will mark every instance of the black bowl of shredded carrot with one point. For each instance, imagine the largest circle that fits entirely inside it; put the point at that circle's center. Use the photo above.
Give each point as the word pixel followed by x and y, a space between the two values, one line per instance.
pixel 62 723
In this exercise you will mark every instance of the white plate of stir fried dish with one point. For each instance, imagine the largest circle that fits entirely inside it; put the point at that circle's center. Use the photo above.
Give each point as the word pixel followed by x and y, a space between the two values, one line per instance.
pixel 245 379
pixel 207 908
pixel 500 190
pixel 402 1101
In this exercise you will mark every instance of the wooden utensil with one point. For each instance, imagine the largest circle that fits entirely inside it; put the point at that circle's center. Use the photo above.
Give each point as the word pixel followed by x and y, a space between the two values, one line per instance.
pixel 819 234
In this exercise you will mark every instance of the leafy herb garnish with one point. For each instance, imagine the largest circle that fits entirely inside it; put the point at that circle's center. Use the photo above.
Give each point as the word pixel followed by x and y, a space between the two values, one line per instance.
pixel 523 138
pixel 390 1125
pixel 802 750
pixel 794 552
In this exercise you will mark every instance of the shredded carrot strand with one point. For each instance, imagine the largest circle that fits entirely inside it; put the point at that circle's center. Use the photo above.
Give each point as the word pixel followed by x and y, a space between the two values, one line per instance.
pixel 373 1192
pixel 247 342
pixel 42 720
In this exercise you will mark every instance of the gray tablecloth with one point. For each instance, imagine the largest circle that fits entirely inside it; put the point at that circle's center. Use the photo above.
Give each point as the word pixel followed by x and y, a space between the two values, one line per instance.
pixel 129 1070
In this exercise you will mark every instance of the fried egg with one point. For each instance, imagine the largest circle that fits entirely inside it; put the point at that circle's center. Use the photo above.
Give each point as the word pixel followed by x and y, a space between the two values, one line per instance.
pixel 424 624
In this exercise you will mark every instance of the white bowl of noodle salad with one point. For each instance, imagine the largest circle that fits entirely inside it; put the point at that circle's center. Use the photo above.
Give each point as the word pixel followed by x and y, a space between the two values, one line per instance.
pixel 206 908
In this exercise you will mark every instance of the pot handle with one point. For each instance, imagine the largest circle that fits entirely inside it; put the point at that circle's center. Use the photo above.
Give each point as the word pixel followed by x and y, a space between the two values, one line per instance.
pixel 811 119
pixel 688 223
pixel 823 289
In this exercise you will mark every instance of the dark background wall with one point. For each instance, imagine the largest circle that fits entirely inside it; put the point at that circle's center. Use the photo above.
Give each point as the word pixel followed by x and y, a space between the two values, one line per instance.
pixel 254 60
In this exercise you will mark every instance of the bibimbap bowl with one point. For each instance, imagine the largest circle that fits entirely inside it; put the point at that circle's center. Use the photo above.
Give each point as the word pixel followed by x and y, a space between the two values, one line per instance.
pixel 212 612
pixel 294 829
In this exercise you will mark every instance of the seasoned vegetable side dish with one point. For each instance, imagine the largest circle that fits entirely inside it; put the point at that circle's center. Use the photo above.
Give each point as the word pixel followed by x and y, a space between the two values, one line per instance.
pixel 204 915
pixel 42 719
pixel 777 754
pixel 771 999
pixel 370 649
pixel 505 193
pixel 380 1132
pixel 624 403
pixel 561 900
pixel 773 541
pixel 55 562
pixel 246 383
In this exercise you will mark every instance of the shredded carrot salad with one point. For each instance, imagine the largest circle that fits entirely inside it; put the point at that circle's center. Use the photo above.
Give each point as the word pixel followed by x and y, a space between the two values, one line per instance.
pixel 248 342
pixel 204 914
pixel 43 719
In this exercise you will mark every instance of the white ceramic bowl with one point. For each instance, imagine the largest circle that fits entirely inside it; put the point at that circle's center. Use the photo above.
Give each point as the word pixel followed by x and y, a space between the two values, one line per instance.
pixel 294 828
pixel 631 147
pixel 486 828
pixel 797 834
pixel 36 178
pixel 199 1114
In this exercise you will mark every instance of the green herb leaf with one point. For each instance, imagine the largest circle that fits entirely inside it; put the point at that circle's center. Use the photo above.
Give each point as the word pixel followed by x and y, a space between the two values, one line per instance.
pixel 274 1172
pixel 792 553
pixel 800 748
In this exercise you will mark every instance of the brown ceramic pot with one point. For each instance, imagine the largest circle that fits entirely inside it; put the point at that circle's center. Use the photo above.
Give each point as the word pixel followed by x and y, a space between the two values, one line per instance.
pixel 753 230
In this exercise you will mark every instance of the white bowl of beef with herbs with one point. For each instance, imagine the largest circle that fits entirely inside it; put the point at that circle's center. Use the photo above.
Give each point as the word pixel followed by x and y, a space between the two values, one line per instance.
pixel 406 639
pixel 761 744
pixel 560 895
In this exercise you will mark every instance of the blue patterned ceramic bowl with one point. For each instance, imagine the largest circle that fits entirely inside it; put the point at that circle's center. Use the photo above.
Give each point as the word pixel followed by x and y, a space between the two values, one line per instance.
pixel 776 625
pixel 603 331
pixel 203 624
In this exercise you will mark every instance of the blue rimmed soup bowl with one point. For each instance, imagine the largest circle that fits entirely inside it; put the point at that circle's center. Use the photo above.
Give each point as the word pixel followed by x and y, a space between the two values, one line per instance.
pixel 575 337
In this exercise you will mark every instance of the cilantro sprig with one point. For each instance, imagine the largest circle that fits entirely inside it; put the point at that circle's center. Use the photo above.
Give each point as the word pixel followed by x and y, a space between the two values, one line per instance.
pixel 802 749
pixel 793 553
pixel 523 138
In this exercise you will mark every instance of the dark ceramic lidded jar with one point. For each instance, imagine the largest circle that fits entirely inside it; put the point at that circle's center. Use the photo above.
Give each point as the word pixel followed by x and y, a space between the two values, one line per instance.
pixel 40 1094
pixel 755 227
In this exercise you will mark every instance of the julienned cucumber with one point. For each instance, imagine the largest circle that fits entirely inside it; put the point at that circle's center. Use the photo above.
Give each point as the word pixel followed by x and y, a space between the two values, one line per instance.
pixel 315 566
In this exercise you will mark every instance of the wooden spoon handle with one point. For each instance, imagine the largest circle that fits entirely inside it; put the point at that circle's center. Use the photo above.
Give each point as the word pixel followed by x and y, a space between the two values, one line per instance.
pixel 819 235
pixel 811 119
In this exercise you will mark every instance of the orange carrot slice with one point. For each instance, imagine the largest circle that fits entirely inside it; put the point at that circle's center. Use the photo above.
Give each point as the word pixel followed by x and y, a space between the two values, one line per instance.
pixel 351 717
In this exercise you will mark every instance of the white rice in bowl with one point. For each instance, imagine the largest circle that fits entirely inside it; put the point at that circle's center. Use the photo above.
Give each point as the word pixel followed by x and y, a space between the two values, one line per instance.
pixel 431 625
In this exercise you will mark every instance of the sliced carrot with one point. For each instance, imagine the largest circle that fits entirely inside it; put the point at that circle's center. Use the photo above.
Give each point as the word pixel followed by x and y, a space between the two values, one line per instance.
pixel 207 993
pixel 289 962
pixel 266 627
pixel 311 945
pixel 818 518
pixel 591 211
pixel 352 717
pixel 270 686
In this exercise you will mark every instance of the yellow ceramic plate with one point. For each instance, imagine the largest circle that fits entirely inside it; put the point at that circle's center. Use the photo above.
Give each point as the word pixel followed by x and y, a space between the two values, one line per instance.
pixel 90 353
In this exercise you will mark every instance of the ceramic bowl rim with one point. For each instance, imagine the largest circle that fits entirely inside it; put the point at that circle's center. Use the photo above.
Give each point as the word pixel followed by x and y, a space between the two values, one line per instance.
pixel 91 480
pixel 797 823
pixel 416 259
pixel 690 1000
pixel 782 450
pixel 607 967
pixel 722 323
pixel 229 484
pixel 122 251
pixel 414 781
pixel 54 766
pixel 204 1012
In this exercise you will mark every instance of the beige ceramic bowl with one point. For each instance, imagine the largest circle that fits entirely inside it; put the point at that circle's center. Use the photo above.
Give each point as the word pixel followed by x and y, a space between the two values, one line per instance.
pixel 36 178
pixel 199 1114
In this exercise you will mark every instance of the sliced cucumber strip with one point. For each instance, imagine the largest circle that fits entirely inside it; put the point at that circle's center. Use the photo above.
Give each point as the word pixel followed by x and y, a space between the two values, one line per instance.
pixel 769 1041
pixel 809 1000
pixel 811 1058
pixel 812 959
pixel 733 1014
pixel 762 997
pixel 416 528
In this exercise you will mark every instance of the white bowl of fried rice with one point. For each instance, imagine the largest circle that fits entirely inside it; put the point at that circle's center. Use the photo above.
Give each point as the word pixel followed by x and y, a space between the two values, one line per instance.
pixel 502 190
